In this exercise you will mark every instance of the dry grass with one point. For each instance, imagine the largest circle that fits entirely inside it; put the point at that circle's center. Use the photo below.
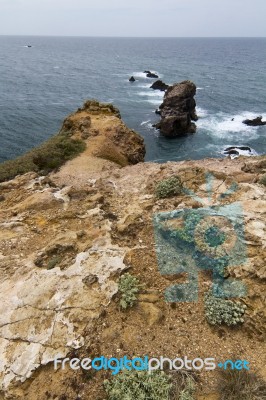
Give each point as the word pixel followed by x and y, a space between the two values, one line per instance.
pixel 241 385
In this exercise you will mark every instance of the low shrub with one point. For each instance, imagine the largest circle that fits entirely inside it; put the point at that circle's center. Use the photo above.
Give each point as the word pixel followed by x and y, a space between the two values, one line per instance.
pixel 241 385
pixel 128 286
pixel 183 386
pixel 220 311
pixel 140 385
pixel 158 385
pixel 168 187
pixel 48 156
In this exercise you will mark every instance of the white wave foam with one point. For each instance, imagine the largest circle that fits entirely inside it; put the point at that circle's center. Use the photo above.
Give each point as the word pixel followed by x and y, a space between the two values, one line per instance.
pixel 153 93
pixel 155 101
pixel 145 122
pixel 200 88
pixel 237 151
pixel 201 112
pixel 222 124
pixel 139 75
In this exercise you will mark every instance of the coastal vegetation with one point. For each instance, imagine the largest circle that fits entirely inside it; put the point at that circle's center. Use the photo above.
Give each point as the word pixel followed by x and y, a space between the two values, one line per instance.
pixel 220 311
pixel 168 187
pixel 157 385
pixel 128 287
pixel 244 385
pixel 138 385
pixel 49 156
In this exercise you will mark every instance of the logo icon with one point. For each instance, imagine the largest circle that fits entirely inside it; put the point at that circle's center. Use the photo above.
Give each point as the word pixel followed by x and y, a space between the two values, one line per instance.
pixel 208 238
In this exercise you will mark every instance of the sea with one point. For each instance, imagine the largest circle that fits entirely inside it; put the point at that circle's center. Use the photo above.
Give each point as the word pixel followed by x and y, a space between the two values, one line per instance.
pixel 43 79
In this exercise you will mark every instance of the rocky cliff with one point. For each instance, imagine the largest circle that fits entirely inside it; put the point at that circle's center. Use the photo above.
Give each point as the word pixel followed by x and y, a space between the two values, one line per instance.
pixel 66 238
pixel 178 110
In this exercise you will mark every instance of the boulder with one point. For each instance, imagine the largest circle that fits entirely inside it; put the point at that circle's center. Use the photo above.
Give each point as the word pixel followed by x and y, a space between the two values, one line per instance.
pixel 152 75
pixel 178 110
pixel 132 79
pixel 254 122
pixel 159 85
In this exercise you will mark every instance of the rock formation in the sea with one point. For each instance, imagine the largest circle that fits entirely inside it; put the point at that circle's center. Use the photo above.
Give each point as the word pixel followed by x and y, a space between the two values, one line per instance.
pixel 67 237
pixel 132 79
pixel 159 85
pixel 178 110
pixel 150 74
pixel 254 122
pixel 236 151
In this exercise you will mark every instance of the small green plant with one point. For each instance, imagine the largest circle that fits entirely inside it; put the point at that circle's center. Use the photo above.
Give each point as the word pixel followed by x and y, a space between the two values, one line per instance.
pixel 220 311
pixel 138 385
pixel 129 287
pixel 262 180
pixel 241 385
pixel 168 187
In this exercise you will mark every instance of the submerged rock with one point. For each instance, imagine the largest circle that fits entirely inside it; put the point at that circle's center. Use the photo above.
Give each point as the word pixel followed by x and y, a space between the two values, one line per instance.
pixel 178 110
pixel 159 85
pixel 254 122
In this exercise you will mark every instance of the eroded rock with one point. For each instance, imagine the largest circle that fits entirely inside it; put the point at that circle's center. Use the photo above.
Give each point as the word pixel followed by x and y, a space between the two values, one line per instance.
pixel 254 122
pixel 178 110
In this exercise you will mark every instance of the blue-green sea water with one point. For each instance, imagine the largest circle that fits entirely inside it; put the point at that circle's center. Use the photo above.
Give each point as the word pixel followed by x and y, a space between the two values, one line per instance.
pixel 42 84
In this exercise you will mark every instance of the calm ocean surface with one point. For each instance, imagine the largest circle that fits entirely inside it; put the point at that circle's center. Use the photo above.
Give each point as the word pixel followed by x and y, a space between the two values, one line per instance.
pixel 41 85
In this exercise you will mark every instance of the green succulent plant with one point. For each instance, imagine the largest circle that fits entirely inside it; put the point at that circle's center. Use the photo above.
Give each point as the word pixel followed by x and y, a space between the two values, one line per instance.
pixel 168 187
pixel 129 287
pixel 220 311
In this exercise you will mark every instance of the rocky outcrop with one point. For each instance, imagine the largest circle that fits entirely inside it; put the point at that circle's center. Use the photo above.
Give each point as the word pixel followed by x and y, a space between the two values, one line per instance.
pixel 132 79
pixel 95 130
pixel 254 122
pixel 150 74
pixel 236 151
pixel 67 237
pixel 106 135
pixel 178 110
pixel 159 85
